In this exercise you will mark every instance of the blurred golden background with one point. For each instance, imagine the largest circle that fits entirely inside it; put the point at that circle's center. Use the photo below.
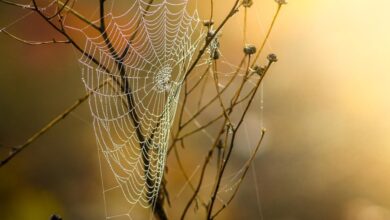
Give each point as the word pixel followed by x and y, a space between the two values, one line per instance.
pixel 326 153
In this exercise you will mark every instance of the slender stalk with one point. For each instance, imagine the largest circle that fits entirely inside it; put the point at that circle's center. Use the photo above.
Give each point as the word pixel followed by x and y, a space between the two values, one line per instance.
pixel 18 149
pixel 246 168
pixel 232 141
pixel 34 42
pixel 265 40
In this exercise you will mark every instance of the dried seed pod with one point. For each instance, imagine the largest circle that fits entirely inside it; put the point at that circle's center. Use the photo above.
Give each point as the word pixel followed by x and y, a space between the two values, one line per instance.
pixel 249 49
pixel 281 2
pixel 210 35
pixel 215 55
pixel 213 48
pixel 258 70
pixel 247 3
pixel 208 23
pixel 272 58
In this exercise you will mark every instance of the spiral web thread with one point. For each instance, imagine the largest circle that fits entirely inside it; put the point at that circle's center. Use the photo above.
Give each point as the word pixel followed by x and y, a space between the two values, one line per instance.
pixel 156 43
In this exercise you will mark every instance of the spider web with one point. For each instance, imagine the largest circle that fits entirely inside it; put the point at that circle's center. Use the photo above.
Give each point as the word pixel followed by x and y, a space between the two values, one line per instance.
pixel 144 55
pixel 153 44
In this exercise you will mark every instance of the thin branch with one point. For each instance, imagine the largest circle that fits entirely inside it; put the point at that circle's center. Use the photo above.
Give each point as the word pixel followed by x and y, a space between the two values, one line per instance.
pixel 246 168
pixel 199 81
pixel 215 97
pixel 23 6
pixel 198 187
pixel 268 33
pixel 210 153
pixel 16 150
pixel 58 13
pixel 54 41
pixel 216 83
pixel 232 12
pixel 71 10
pixel 78 15
pixel 185 174
pixel 226 160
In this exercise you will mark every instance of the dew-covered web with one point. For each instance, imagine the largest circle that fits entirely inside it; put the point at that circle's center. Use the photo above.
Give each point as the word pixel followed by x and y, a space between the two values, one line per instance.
pixel 143 55
pixel 134 72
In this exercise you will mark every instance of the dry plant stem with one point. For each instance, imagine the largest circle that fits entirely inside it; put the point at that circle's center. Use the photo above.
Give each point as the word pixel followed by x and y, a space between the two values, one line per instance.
pixel 157 204
pixel 211 10
pixel 210 152
pixel 198 187
pixel 185 173
pixel 199 81
pixel 181 126
pixel 23 6
pixel 232 140
pixel 183 105
pixel 224 161
pixel 215 97
pixel 202 90
pixel 58 13
pixel 232 12
pixel 182 141
pixel 216 83
pixel 68 37
pixel 216 118
pixel 72 11
pixel 267 34
pixel 246 168
pixel 245 24
pixel 199 111
pixel 16 150
pixel 244 80
pixel 78 15
pixel 34 42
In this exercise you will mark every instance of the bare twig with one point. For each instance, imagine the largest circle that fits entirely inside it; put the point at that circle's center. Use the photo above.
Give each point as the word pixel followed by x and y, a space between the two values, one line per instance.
pixel 232 12
pixel 16 150
pixel 54 41
pixel 246 168
pixel 232 141
pixel 269 30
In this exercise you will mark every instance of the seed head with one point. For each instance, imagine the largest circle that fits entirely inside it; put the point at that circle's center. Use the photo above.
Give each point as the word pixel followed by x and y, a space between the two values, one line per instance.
pixel 258 70
pixel 281 2
pixel 215 54
pixel 208 23
pixel 272 58
pixel 249 49
pixel 247 3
